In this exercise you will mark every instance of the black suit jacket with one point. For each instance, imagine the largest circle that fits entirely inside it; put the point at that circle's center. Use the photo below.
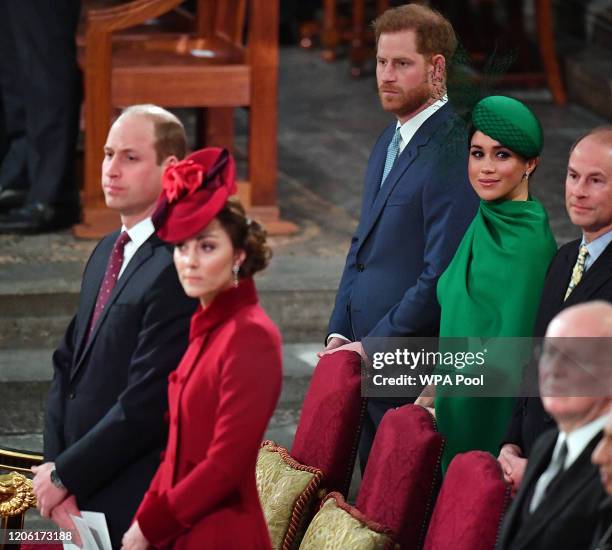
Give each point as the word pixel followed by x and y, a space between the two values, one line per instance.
pixel 603 535
pixel 568 515
pixel 104 422
pixel 529 419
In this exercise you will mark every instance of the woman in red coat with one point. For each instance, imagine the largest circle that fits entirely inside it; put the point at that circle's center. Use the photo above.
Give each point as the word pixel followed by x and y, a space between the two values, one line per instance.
pixel 224 390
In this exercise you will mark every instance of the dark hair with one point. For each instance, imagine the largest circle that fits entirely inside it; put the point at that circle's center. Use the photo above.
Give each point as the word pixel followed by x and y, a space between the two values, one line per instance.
pixel 434 33
pixel 245 234
pixel 471 129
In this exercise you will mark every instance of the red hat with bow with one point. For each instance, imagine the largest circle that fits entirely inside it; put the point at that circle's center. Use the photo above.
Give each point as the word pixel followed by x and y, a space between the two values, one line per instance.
pixel 194 191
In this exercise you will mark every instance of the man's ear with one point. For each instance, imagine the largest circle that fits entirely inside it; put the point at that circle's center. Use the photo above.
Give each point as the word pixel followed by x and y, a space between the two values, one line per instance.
pixel 169 161
pixel 438 75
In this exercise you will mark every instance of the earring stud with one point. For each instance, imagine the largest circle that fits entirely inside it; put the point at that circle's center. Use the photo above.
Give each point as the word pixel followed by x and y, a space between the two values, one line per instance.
pixel 235 271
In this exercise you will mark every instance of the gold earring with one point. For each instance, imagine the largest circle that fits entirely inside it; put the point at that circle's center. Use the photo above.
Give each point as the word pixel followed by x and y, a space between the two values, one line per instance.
pixel 235 271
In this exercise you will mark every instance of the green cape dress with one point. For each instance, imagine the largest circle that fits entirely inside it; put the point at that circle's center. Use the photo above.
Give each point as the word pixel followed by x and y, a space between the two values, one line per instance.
pixel 491 288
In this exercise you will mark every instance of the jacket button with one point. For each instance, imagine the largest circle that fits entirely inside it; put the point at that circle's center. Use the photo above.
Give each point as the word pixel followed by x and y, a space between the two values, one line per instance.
pixel 162 455
pixel 167 417
pixel 360 267
pixel 71 395
pixel 172 377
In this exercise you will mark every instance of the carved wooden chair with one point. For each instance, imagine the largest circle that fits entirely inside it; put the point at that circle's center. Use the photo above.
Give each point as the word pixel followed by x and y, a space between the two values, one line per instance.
pixel 229 60
pixel 16 494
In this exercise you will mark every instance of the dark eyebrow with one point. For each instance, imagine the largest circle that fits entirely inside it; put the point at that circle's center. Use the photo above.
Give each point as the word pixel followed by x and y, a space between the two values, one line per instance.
pixel 205 235
pixel 128 150
pixel 588 174
pixel 494 147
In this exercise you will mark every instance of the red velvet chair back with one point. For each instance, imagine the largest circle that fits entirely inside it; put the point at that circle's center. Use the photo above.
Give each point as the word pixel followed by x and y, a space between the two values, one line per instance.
pixel 471 504
pixel 330 422
pixel 403 474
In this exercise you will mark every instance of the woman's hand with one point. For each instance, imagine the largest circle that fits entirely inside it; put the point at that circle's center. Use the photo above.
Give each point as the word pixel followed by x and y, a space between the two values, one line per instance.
pixel 133 539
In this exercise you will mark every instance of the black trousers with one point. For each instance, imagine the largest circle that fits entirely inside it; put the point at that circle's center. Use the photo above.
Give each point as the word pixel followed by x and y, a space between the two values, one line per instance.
pixel 41 91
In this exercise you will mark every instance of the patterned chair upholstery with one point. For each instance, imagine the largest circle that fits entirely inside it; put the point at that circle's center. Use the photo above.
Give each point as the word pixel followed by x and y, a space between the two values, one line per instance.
pixel 471 504
pixel 339 526
pixel 291 484
pixel 328 431
pixel 403 474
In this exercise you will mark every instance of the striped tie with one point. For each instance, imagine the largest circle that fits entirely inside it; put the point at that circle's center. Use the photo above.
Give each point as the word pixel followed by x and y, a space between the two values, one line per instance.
pixel 578 270
pixel 392 152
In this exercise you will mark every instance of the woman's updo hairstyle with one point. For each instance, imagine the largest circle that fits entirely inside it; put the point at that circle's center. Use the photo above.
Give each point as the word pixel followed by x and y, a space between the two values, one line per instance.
pixel 245 234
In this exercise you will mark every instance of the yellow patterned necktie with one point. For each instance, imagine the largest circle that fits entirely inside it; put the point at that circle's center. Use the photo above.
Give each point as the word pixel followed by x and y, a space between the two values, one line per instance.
pixel 578 270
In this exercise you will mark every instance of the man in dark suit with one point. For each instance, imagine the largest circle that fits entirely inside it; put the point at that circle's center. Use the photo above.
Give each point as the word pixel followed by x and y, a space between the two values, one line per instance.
pixel 588 194
pixel 558 502
pixel 602 457
pixel 40 84
pixel 104 421
pixel 417 201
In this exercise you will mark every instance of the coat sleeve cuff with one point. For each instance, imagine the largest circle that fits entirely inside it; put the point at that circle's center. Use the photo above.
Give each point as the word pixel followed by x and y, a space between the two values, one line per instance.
pixel 157 520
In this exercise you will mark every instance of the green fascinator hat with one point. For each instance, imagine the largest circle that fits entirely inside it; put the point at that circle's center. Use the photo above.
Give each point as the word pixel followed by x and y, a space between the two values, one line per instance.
pixel 510 122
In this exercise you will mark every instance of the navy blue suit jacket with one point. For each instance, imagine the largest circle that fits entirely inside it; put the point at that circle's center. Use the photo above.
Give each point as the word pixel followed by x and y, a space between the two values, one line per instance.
pixel 104 421
pixel 407 234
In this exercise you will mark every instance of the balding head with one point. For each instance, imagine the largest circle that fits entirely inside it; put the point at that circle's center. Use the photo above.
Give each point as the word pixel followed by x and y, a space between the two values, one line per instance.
pixel 575 377
pixel 170 137
pixel 600 134
pixel 588 185
pixel 591 319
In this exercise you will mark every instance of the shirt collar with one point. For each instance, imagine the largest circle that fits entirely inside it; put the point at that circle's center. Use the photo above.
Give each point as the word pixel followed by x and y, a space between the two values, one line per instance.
pixel 596 247
pixel 577 440
pixel 410 127
pixel 140 232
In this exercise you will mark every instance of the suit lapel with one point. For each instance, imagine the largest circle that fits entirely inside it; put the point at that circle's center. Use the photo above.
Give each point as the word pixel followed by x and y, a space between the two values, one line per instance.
pixel 89 294
pixel 142 255
pixel 579 475
pixel 403 162
pixel 531 477
pixel 375 168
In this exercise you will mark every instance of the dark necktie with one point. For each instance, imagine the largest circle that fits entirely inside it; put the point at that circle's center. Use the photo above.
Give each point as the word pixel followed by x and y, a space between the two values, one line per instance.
pixel 549 478
pixel 110 279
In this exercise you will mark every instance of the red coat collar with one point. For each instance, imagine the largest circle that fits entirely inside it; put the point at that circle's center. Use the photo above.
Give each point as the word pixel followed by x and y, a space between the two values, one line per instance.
pixel 224 306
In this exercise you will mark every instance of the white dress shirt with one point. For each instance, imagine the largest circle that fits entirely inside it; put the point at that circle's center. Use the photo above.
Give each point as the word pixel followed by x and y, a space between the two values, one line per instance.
pixel 410 127
pixel 595 248
pixel 576 441
pixel 138 235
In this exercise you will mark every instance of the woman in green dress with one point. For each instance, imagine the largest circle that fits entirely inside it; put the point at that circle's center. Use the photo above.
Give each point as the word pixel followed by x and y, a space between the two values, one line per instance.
pixel 493 284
